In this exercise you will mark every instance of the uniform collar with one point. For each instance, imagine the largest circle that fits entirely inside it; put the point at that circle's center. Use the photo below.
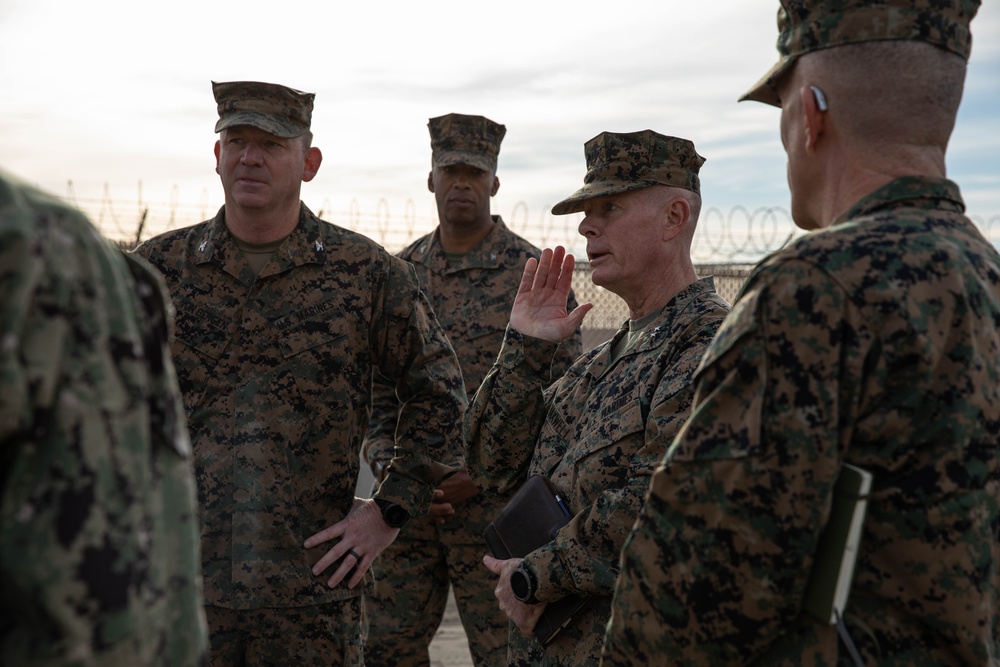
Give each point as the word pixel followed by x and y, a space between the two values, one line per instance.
pixel 915 190
pixel 488 253
pixel 305 245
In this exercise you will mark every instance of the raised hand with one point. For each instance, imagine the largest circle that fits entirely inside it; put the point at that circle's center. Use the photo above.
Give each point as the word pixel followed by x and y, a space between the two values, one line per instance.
pixel 540 305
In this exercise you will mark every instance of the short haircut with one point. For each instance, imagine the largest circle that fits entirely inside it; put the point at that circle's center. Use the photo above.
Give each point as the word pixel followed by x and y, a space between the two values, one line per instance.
pixel 895 92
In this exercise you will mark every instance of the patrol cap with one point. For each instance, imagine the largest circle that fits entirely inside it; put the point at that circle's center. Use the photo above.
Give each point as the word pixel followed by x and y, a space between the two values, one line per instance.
pixel 811 25
pixel 619 162
pixel 460 139
pixel 276 109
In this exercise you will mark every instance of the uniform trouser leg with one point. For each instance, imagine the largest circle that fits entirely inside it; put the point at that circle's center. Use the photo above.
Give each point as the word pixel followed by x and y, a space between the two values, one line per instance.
pixel 411 592
pixel 486 626
pixel 324 635
pixel 412 579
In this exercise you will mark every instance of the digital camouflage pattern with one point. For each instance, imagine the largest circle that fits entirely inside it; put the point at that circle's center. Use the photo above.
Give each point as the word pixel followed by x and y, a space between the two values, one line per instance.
pixel 874 342
pixel 472 299
pixel 460 139
pixel 99 556
pixel 810 25
pixel 618 162
pixel 275 370
pixel 273 108
pixel 326 635
pixel 597 433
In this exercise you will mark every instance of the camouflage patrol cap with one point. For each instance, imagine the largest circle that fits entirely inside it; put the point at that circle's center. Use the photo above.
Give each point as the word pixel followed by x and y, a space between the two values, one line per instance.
pixel 619 162
pixel 276 109
pixel 460 139
pixel 811 25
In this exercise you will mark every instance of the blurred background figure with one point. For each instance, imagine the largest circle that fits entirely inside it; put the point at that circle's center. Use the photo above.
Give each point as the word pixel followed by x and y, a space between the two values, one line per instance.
pixel 99 560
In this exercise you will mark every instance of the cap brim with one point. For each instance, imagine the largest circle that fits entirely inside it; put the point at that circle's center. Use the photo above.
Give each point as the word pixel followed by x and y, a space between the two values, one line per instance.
pixel 765 89
pixel 261 122
pixel 575 202
pixel 463 157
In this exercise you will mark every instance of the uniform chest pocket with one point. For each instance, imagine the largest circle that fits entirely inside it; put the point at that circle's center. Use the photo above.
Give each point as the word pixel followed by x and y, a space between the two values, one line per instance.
pixel 609 424
pixel 201 330
pixel 320 362
pixel 201 343
pixel 478 329
pixel 310 336
pixel 598 445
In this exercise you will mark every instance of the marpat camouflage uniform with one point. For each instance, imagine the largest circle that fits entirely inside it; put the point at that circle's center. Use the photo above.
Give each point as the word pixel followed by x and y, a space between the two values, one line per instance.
pixel 276 375
pixel 99 558
pixel 472 300
pixel 598 432
pixel 874 342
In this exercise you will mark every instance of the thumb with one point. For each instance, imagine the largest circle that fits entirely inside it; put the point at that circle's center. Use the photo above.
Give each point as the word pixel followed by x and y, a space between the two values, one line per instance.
pixel 492 564
pixel 576 317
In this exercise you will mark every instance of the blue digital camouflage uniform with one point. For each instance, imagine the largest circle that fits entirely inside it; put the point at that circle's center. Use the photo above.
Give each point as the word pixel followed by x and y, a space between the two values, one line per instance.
pixel 472 299
pixel 874 342
pixel 99 559
pixel 598 432
pixel 276 370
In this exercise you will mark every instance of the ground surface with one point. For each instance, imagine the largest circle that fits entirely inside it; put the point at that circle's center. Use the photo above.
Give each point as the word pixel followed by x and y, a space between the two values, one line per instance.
pixel 449 647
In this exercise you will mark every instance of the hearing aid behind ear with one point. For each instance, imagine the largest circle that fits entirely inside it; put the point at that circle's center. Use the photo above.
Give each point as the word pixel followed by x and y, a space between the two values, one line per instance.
pixel 820 98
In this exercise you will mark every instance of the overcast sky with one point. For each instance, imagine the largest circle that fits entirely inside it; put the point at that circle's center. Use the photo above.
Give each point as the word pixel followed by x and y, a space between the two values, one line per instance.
pixel 117 92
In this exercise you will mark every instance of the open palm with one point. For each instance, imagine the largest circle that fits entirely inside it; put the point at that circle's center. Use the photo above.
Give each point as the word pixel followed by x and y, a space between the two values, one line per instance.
pixel 540 305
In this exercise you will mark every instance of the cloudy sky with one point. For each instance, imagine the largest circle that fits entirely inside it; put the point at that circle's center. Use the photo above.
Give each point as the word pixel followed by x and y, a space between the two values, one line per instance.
pixel 111 94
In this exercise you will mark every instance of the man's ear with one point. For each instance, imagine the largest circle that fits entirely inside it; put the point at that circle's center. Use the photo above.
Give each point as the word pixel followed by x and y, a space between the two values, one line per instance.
pixel 496 186
pixel 314 158
pixel 430 181
pixel 814 117
pixel 677 214
pixel 217 149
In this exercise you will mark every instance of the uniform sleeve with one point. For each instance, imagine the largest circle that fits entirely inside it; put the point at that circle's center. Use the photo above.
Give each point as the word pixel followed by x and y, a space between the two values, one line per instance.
pixel 19 272
pixel 379 442
pixel 584 556
pixel 506 414
pixel 29 368
pixel 718 560
pixel 100 541
pixel 414 353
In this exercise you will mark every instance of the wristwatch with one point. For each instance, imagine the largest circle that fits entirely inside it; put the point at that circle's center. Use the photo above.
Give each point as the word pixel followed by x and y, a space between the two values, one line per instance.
pixel 394 515
pixel 523 584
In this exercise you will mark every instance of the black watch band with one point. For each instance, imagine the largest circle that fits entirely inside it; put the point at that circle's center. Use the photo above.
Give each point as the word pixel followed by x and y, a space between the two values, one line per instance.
pixel 395 516
pixel 523 584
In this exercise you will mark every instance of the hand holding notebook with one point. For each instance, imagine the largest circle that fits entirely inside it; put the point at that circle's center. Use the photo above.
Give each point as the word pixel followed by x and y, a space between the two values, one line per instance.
pixel 528 521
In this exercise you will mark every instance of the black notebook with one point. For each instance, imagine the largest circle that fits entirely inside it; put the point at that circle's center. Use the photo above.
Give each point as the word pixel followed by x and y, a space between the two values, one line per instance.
pixel 528 521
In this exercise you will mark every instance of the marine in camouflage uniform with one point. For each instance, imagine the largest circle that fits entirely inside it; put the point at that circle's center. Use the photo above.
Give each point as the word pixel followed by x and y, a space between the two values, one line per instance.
pixel 598 432
pixel 874 341
pixel 471 291
pixel 275 357
pixel 99 561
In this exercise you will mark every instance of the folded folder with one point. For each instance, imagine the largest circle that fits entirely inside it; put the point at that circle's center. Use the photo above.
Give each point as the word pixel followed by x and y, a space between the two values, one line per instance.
pixel 833 568
pixel 528 521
